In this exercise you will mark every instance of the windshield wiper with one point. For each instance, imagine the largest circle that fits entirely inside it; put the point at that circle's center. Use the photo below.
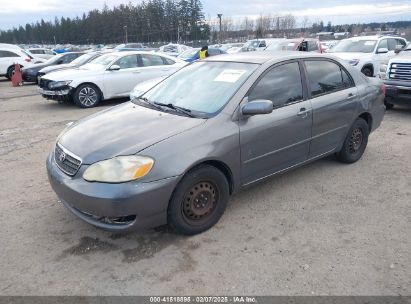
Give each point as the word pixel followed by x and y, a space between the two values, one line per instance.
pixel 153 104
pixel 181 110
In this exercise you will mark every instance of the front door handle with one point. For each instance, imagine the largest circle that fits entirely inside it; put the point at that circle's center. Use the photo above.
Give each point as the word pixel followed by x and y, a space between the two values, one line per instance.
pixel 136 72
pixel 303 112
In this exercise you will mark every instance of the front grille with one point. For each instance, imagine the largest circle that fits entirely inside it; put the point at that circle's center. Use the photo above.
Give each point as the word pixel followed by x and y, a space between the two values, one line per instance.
pixel 400 71
pixel 66 161
pixel 44 83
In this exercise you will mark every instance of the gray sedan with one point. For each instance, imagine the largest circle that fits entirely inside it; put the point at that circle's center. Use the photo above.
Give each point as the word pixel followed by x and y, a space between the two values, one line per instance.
pixel 175 154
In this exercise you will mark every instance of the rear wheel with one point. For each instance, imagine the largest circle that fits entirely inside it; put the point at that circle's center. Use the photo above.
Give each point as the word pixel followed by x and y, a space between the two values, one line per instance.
pixel 10 72
pixel 199 201
pixel 355 142
pixel 87 96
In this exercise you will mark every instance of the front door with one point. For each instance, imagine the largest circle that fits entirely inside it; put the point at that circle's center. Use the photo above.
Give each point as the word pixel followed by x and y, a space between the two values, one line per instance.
pixel 280 140
pixel 121 82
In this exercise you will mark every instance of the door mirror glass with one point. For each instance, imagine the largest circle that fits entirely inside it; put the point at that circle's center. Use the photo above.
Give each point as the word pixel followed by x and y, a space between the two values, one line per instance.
pixel 382 51
pixel 60 61
pixel 257 107
pixel 114 67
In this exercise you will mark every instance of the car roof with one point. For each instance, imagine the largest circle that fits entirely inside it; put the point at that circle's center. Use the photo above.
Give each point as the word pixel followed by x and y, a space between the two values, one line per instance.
pixel 263 56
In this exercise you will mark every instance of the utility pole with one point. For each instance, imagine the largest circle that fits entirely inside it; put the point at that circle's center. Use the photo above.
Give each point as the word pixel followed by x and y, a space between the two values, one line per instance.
pixel 221 36
pixel 125 30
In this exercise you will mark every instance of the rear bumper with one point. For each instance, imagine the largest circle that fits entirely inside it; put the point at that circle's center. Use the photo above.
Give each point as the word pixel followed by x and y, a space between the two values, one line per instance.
pixel 143 204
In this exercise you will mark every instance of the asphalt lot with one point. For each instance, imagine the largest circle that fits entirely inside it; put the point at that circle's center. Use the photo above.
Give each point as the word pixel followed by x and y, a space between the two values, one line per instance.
pixel 324 229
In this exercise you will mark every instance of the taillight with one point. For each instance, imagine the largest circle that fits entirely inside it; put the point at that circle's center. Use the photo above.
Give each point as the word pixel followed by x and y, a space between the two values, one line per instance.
pixel 383 89
pixel 27 59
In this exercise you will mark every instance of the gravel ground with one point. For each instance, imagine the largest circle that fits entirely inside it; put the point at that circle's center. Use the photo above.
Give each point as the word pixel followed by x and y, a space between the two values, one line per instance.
pixel 323 229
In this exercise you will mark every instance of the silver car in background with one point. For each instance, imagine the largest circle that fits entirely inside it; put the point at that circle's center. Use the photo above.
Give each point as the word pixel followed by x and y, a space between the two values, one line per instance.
pixel 175 154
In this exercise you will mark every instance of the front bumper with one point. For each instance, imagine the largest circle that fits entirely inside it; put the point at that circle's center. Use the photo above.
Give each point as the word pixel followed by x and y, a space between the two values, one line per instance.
pixel 63 94
pixel 144 205
pixel 398 92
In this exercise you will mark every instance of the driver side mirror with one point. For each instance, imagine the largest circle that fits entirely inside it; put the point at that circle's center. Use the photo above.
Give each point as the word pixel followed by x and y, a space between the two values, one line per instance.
pixel 60 61
pixel 258 107
pixel 114 67
pixel 382 51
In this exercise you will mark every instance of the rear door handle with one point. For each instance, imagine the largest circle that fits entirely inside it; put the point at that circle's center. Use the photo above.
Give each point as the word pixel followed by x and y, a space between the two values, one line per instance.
pixel 351 96
pixel 136 72
pixel 303 112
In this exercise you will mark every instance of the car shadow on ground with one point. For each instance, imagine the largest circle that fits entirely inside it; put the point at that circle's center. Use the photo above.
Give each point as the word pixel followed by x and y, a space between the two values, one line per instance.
pixel 55 105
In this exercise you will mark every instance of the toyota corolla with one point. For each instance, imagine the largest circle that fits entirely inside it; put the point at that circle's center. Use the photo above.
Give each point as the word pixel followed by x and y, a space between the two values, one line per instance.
pixel 175 154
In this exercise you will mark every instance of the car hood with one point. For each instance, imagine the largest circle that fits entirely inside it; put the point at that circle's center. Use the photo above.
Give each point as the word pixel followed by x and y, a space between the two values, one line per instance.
pixel 35 67
pixel 122 130
pixel 59 67
pixel 350 55
pixel 70 74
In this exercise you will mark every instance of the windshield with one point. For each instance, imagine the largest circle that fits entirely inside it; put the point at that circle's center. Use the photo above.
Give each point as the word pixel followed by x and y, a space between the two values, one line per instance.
pixel 188 54
pixel 202 87
pixel 354 46
pixel 83 59
pixel 104 60
pixel 282 46
pixel 54 58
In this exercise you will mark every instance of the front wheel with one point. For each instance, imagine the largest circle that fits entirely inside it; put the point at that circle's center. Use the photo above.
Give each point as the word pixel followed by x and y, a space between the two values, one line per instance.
pixel 87 96
pixel 367 71
pixel 355 142
pixel 388 106
pixel 10 72
pixel 199 201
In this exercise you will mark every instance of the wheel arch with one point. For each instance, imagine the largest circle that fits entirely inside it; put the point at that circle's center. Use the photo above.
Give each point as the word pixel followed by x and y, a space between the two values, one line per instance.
pixel 219 165
pixel 368 118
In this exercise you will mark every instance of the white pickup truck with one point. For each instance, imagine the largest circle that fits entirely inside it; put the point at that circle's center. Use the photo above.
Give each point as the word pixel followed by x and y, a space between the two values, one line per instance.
pixel 366 53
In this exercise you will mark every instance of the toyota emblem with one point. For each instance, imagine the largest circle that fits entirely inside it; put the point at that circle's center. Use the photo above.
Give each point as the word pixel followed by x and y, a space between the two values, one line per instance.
pixel 62 157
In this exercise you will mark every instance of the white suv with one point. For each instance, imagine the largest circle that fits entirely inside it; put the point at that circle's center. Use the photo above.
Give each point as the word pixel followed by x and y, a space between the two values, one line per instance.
pixel 366 53
pixel 11 54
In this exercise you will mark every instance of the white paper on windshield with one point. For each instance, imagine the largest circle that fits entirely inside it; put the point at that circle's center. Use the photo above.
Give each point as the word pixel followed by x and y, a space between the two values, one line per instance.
pixel 369 43
pixel 230 75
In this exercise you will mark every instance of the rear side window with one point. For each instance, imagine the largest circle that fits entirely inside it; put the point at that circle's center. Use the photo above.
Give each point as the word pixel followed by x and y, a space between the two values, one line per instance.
pixel 151 60
pixel 8 54
pixel 167 61
pixel 325 77
pixel 37 51
pixel 282 85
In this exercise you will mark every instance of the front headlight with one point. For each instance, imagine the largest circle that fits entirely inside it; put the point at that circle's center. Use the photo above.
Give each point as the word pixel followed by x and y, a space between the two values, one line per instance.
pixel 58 84
pixel 119 169
pixel 354 62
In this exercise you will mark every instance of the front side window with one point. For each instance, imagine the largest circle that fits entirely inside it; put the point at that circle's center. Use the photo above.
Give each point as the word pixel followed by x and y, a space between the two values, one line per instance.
pixel 202 87
pixel 281 85
pixel 127 62
pixel 312 46
pixel 325 77
pixel 151 60
pixel 383 44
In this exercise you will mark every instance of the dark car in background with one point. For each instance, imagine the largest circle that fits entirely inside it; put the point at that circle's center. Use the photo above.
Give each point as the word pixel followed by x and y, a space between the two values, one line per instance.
pixel 30 74
pixel 175 154
pixel 194 54
pixel 79 61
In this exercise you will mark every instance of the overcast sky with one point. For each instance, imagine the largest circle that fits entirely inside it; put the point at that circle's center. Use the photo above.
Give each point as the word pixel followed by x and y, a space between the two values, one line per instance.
pixel 16 12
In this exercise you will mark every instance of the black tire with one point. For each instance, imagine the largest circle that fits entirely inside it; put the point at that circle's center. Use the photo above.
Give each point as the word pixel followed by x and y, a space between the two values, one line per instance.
pixel 10 72
pixel 367 71
pixel 87 96
pixel 198 201
pixel 355 142
pixel 388 106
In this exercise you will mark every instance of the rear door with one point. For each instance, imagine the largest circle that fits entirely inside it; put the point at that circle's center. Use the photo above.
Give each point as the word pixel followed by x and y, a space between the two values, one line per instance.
pixel 277 141
pixel 333 98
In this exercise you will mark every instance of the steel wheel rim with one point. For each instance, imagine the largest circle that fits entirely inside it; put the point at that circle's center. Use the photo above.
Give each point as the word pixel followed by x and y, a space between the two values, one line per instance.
pixel 200 202
pixel 356 140
pixel 87 96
